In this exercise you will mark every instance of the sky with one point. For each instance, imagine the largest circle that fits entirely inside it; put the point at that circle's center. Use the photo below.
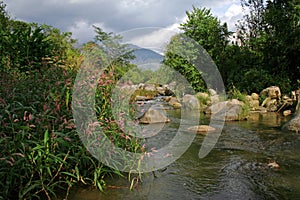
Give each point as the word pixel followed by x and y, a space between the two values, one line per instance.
pixel 117 16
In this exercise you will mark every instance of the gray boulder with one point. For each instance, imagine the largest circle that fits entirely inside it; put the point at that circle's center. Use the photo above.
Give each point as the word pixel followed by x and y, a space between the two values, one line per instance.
pixel 190 102
pixel 293 125
pixel 232 108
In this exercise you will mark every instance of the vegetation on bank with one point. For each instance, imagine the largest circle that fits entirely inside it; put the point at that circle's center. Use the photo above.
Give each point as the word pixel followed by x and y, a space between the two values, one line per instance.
pixel 41 152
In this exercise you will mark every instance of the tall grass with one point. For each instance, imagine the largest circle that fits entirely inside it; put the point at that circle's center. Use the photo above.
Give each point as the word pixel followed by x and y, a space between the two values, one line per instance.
pixel 41 152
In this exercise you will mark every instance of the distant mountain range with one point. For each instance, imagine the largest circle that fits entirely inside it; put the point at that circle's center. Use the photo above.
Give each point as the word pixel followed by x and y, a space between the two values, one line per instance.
pixel 146 58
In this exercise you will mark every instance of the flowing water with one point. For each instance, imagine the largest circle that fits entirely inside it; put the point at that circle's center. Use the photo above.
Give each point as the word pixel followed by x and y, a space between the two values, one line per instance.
pixel 237 167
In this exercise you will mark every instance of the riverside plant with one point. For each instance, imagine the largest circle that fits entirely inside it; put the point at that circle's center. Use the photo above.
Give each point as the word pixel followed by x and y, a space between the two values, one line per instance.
pixel 41 152
pixel 234 93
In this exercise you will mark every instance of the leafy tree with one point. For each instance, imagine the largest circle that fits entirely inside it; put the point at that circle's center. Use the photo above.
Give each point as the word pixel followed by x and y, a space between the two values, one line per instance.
pixel 271 31
pixel 204 30
pixel 208 32
pixel 4 17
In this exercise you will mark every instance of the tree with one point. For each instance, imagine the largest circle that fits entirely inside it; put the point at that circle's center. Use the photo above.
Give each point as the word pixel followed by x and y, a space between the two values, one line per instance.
pixel 4 17
pixel 271 31
pixel 206 35
pixel 208 32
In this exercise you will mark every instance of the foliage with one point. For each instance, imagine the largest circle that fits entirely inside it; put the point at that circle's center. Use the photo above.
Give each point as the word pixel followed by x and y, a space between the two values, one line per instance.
pixel 181 64
pixel 207 37
pixel 207 31
pixel 28 46
pixel 234 93
pixel 41 152
pixel 271 30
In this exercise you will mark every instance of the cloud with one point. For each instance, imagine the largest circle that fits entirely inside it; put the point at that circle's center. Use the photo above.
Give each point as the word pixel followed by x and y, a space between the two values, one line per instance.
pixel 114 15
pixel 232 15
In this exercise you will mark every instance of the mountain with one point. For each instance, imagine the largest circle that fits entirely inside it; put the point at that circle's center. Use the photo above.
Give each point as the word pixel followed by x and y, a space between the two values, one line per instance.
pixel 146 58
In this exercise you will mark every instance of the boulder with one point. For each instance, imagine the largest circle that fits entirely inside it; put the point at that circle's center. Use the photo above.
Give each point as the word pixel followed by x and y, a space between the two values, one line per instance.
pixel 272 105
pixel 154 116
pixel 214 97
pixel 161 90
pixel 190 102
pixel 232 108
pixel 254 104
pixel 150 87
pixel 202 129
pixel 254 96
pixel 273 92
pixel 293 124
pixel 174 102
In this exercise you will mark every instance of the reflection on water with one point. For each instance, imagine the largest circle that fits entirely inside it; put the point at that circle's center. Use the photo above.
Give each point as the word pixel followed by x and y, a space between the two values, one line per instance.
pixel 237 168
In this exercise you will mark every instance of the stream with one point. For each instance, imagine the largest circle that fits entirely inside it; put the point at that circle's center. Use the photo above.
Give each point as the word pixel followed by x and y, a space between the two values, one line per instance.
pixel 237 167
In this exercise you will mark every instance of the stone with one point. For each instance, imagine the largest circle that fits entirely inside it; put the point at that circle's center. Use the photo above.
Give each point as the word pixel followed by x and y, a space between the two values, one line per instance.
pixel 174 102
pixel 202 95
pixel 254 96
pixel 161 90
pixel 212 92
pixel 273 165
pixel 202 129
pixel 232 109
pixel 249 98
pixel 293 124
pixel 142 98
pixel 215 99
pixel 154 116
pixel 254 104
pixel 287 112
pixel 150 87
pixel 273 92
pixel 190 102
pixel 176 105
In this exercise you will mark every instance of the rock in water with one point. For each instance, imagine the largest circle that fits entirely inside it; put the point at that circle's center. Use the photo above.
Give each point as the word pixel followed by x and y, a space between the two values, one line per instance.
pixel 293 125
pixel 202 129
pixel 154 116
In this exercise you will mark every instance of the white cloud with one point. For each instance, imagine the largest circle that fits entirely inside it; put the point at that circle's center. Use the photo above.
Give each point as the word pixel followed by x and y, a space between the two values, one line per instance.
pixel 232 15
pixel 233 10
pixel 116 15
pixel 84 31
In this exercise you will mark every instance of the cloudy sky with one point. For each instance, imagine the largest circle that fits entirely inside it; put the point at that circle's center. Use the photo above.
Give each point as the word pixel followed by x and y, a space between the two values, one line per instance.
pixel 116 16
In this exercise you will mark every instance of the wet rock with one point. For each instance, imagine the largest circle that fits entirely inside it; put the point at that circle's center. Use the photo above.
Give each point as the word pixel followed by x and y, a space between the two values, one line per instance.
pixel 202 129
pixel 273 165
pixel 154 116
pixel 293 125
